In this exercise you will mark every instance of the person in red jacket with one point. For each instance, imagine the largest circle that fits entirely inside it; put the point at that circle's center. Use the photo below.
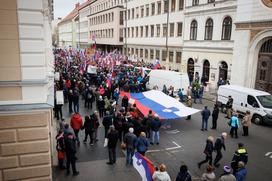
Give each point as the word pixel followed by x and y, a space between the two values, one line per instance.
pixel 76 123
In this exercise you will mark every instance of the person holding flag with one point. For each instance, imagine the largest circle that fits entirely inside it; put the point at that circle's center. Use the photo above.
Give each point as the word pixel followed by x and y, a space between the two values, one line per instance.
pixel 144 166
pixel 161 174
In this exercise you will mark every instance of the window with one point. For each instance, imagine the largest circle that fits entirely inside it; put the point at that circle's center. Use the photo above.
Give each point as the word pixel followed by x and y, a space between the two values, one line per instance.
pixel 132 15
pixel 158 54
pixel 164 55
pixel 136 51
pixel 146 31
pixel 208 29
pixel 252 101
pixel 159 7
pixel 193 31
pixel 141 53
pixel 211 1
pixel 121 35
pixel 132 51
pixel 181 4
pixel 178 57
pixel 172 26
pixel 112 17
pixel 151 53
pixel 179 29
pixel 146 53
pixel 226 28
pixel 152 30
pixel 136 31
pixel 137 12
pixel 128 32
pixel 166 6
pixel 152 9
pixel 121 18
pixel 171 56
pixel 128 13
pixel 195 2
pixel 164 29
pixel 158 30
pixel 147 10
pixel 132 32
pixel 142 31
pixel 173 5
pixel 142 11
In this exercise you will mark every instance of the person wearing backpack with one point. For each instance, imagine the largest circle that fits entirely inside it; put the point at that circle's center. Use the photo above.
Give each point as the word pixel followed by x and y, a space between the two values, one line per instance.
pixel 218 145
pixel 60 149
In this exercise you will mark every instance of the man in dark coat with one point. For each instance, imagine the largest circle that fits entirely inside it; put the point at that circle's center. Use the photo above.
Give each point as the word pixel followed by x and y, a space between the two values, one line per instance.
pixel 215 114
pixel 112 142
pixel 218 145
pixel 70 150
pixel 205 117
pixel 125 102
pixel 155 127
pixel 107 122
pixel 88 129
pixel 208 152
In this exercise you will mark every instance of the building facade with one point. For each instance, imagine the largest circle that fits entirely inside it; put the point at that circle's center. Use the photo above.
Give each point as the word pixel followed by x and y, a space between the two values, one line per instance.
pixel 68 27
pixel 106 24
pixel 151 30
pixel 82 25
pixel 208 39
pixel 252 55
pixel 26 89
pixel 192 36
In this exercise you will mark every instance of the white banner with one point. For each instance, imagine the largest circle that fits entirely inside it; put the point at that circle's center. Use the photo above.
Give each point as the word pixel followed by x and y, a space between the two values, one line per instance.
pixel 59 97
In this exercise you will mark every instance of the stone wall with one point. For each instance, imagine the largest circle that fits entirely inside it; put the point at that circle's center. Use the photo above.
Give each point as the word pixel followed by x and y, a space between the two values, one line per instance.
pixel 25 146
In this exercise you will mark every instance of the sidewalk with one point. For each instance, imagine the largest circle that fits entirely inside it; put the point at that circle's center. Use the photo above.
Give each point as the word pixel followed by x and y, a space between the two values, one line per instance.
pixel 210 96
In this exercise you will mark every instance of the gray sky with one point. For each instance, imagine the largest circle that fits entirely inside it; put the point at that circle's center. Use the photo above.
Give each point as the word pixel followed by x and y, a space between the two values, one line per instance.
pixel 63 7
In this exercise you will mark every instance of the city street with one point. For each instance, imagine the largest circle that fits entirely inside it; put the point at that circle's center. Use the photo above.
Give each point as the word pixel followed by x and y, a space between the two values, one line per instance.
pixel 183 143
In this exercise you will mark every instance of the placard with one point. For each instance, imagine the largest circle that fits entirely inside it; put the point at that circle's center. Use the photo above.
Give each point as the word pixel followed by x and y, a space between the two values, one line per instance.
pixel 131 101
pixel 57 76
pixel 59 97
pixel 91 69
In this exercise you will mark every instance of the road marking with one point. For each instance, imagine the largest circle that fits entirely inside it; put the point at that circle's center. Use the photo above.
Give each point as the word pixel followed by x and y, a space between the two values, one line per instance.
pixel 269 154
pixel 167 149
pixel 173 148
pixel 152 151
pixel 175 131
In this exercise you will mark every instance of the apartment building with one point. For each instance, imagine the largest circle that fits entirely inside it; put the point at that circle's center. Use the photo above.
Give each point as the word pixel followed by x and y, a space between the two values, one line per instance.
pixel 106 24
pixel 82 25
pixel 152 27
pixel 67 28
pixel 26 90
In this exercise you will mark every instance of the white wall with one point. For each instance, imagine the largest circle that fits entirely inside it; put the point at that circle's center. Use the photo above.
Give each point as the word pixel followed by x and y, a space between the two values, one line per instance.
pixel 35 50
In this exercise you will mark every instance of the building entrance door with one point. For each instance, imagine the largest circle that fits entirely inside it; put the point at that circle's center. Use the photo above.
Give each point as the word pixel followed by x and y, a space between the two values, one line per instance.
pixel 264 73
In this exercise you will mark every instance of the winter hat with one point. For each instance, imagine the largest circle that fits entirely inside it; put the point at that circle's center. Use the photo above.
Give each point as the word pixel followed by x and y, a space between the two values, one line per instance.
pixel 131 130
pixel 227 169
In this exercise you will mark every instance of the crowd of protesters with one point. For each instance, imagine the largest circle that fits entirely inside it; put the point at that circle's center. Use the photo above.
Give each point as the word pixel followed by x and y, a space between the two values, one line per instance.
pixel 122 121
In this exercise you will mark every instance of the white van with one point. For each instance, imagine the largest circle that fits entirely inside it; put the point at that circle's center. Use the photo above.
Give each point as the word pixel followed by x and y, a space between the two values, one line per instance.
pixel 168 78
pixel 259 103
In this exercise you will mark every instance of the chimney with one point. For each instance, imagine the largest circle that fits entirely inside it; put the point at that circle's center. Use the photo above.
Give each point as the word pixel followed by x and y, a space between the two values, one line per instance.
pixel 77 5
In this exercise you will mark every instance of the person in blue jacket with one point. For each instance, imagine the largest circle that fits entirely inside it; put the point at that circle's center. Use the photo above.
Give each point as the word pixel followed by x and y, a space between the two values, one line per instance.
pixel 234 124
pixel 241 173
pixel 142 144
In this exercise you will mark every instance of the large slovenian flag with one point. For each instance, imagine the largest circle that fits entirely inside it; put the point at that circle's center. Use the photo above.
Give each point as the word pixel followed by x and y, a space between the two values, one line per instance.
pixel 144 166
pixel 162 105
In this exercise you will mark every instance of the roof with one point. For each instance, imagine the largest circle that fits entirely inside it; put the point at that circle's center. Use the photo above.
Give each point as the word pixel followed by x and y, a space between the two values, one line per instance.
pixel 83 5
pixel 74 12
pixel 250 91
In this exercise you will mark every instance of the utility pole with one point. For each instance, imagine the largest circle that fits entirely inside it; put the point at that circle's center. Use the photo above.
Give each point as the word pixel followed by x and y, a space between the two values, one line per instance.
pixel 166 40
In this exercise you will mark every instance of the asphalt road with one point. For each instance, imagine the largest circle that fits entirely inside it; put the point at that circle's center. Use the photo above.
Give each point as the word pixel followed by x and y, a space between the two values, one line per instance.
pixel 183 143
